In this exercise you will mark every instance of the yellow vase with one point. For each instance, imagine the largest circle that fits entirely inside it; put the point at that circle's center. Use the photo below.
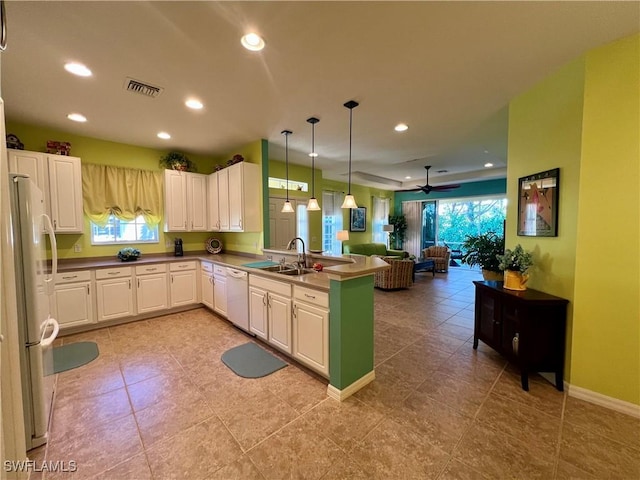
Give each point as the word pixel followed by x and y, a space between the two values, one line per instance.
pixel 515 280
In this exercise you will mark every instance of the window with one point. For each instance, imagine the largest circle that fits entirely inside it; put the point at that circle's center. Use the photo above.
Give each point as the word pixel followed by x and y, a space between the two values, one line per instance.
pixel 331 222
pixel 123 231
pixel 380 217
pixel 281 183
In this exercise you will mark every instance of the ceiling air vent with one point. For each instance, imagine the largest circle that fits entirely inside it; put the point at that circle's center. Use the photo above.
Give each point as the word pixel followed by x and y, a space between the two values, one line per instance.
pixel 136 86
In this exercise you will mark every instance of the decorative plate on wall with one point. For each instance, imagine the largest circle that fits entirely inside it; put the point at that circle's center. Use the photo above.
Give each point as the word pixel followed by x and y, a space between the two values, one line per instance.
pixel 213 245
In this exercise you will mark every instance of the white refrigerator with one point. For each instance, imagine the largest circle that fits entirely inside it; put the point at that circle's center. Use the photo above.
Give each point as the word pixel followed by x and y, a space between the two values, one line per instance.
pixel 34 285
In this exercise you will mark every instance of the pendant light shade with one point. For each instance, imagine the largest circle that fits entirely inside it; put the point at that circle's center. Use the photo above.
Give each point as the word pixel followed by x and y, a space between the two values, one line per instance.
pixel 349 200
pixel 313 202
pixel 287 207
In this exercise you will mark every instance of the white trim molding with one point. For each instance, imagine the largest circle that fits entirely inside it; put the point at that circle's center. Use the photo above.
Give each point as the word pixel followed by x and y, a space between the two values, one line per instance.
pixel 342 395
pixel 602 400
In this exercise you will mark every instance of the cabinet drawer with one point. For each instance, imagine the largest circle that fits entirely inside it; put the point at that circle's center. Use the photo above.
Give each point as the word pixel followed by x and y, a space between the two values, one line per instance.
pixel 206 267
pixel 314 297
pixel 70 277
pixel 155 268
pixel 113 273
pixel 274 286
pixel 219 270
pixel 178 266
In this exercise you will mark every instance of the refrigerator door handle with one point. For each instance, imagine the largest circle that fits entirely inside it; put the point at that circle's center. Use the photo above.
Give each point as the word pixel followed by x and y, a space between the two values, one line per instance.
pixel 50 282
pixel 45 342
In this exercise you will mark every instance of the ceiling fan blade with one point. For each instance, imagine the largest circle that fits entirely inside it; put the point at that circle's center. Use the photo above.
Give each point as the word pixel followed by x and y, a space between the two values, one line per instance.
pixel 411 189
pixel 444 188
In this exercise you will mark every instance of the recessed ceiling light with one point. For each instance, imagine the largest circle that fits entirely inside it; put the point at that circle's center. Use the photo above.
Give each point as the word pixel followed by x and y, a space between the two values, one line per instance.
pixel 78 69
pixel 253 42
pixel 401 127
pixel 164 135
pixel 76 117
pixel 408 177
pixel 194 104
pixel 486 151
pixel 488 164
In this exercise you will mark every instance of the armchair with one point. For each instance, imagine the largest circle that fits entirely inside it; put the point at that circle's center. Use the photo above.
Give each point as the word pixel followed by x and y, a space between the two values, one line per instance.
pixel 400 275
pixel 440 256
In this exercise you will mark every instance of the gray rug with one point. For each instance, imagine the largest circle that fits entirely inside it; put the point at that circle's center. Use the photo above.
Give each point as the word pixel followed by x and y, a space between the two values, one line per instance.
pixel 74 355
pixel 251 361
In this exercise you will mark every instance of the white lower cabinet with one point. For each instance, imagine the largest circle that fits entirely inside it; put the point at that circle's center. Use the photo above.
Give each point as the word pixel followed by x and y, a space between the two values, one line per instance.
pixel 151 288
pixel 270 311
pixel 206 284
pixel 72 300
pixel 114 293
pixel 183 285
pixel 311 329
pixel 220 290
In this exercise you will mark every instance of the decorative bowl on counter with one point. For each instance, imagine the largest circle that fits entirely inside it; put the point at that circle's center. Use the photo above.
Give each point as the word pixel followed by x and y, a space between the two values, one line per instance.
pixel 128 254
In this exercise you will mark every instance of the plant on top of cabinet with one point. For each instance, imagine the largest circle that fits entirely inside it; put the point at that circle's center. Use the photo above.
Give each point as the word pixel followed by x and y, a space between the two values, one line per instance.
pixel 177 161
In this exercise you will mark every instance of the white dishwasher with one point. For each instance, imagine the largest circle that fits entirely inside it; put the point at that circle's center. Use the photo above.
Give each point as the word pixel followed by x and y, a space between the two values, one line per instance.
pixel 238 298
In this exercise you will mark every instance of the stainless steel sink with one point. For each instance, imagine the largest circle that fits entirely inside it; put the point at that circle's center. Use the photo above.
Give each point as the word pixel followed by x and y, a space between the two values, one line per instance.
pixel 296 271
pixel 273 268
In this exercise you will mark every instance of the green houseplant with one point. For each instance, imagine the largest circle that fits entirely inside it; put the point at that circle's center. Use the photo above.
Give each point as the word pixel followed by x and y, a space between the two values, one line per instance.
pixel 396 238
pixel 483 250
pixel 177 161
pixel 516 264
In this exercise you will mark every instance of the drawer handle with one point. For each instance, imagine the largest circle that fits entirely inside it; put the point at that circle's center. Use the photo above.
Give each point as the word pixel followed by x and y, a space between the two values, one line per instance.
pixel 309 296
pixel 113 273
pixel 69 277
pixel 151 269
pixel 515 343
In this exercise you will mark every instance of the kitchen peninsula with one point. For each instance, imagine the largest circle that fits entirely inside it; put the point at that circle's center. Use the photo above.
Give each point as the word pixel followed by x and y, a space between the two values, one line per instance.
pixel 345 284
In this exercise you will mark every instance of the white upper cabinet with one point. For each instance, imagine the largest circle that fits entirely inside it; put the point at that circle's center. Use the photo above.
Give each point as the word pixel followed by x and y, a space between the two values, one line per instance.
pixel 60 179
pixel 185 201
pixel 234 199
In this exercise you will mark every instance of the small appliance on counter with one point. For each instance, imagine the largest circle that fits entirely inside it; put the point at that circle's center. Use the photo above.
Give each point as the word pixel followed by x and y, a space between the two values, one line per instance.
pixel 177 251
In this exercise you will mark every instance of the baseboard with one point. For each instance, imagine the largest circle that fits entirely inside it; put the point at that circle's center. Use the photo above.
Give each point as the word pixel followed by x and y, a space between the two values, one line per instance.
pixel 342 395
pixel 602 400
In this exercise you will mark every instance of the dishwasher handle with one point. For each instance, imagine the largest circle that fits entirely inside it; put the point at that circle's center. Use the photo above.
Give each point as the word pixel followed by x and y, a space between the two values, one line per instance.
pixel 236 273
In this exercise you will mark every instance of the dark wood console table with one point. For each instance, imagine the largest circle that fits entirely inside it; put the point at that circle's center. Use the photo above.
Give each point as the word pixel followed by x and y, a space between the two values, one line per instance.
pixel 527 327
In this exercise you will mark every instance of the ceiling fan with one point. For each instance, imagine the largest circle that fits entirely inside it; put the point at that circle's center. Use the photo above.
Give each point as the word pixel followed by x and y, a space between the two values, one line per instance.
pixel 427 189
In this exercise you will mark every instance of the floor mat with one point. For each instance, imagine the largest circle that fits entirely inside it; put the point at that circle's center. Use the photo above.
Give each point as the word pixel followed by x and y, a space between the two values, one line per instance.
pixel 251 361
pixel 74 355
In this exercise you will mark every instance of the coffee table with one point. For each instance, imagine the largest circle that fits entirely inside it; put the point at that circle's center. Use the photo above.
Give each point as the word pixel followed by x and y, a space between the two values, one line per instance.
pixel 423 265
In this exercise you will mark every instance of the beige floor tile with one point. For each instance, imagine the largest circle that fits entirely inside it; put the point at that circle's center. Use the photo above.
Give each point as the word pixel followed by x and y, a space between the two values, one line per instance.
pixel 498 455
pixel 456 331
pixel 196 452
pixel 385 395
pixel 296 451
pixel 437 339
pixel 141 366
pixel 530 425
pixel 242 469
pixel 74 416
pixel 161 387
pixel 598 455
pixel 96 450
pixel 455 393
pixel 567 471
pixel 470 369
pixel 96 378
pixel 456 470
pixel 134 468
pixel 603 421
pixel 394 451
pixel 345 423
pixel 346 468
pixel 309 389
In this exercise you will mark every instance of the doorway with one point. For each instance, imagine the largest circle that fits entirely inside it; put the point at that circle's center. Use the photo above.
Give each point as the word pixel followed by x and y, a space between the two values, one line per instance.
pixel 282 226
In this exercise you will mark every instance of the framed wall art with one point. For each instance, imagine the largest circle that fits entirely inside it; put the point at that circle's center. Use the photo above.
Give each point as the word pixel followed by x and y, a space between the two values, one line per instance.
pixel 358 221
pixel 538 204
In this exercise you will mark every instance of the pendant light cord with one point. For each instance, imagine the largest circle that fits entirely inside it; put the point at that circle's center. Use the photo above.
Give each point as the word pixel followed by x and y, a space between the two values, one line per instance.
pixel 286 134
pixel 350 136
pixel 313 160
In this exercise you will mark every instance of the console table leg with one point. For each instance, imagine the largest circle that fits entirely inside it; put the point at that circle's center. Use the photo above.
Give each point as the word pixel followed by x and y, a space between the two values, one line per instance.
pixel 524 379
pixel 475 343
pixel 559 382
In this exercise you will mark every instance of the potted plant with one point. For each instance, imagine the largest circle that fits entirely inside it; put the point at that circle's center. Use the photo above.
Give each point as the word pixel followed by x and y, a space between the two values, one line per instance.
pixel 483 250
pixel 399 230
pixel 176 161
pixel 516 264
pixel 128 254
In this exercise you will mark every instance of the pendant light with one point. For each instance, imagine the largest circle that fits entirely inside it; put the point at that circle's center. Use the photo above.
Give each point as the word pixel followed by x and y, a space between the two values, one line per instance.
pixel 349 201
pixel 313 202
pixel 287 208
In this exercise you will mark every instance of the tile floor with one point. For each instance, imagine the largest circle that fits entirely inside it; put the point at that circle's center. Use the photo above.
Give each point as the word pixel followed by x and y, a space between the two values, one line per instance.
pixel 158 403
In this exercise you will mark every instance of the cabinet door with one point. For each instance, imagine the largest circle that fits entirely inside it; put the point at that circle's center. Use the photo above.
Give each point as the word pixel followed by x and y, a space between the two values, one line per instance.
pixel 280 322
pixel 65 191
pixel 489 318
pixel 206 285
pixel 311 336
pixel 175 201
pixel 115 298
pixel 258 312
pixel 212 193
pixel 33 164
pixel 236 198
pixel 151 292
pixel 220 295
pixel 197 202
pixel 223 199
pixel 72 304
pixel 183 288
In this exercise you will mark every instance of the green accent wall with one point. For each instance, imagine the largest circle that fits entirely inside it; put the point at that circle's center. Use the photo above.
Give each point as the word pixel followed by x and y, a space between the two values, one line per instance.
pixel 350 330
pixel 585 119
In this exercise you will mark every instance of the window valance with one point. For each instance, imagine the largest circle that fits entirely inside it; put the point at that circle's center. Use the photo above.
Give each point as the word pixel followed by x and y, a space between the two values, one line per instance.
pixel 123 192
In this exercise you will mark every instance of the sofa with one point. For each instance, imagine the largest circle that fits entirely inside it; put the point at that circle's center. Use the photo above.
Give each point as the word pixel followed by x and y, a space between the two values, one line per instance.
pixel 400 275
pixel 369 249
pixel 439 255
